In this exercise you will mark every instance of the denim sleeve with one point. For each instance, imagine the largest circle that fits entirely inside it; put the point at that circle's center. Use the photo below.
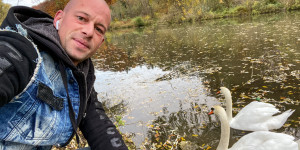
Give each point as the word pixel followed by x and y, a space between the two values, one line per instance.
pixel 17 63
pixel 97 128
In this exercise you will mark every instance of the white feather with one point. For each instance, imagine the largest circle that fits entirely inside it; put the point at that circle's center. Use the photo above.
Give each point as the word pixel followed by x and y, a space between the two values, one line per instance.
pixel 258 140
pixel 256 116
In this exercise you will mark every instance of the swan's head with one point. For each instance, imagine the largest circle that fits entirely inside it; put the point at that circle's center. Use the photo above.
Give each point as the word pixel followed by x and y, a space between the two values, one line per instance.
pixel 225 127
pixel 211 111
pixel 224 90
pixel 219 111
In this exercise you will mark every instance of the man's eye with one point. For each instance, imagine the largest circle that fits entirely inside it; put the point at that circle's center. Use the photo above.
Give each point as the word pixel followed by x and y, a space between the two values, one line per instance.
pixel 80 18
pixel 99 30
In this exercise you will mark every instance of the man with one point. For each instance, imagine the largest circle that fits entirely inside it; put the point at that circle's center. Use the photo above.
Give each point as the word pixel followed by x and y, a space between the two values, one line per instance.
pixel 47 77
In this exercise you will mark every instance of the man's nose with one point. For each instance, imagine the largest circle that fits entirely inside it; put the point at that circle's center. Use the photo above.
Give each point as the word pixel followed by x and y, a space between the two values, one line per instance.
pixel 88 29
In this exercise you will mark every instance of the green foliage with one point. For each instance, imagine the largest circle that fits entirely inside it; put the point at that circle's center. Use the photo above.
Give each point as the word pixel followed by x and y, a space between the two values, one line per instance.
pixel 295 7
pixel 293 4
pixel 138 21
pixel 239 10
pixel 119 121
pixel 124 9
pixel 3 10
pixel 213 5
pixel 266 6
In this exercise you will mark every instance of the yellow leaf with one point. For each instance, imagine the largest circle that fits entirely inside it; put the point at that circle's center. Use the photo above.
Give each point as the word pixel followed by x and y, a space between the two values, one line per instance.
pixel 264 86
pixel 244 96
pixel 195 135
pixel 157 134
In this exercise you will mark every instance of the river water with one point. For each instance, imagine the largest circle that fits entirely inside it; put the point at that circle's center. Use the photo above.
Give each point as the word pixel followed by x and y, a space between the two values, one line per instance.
pixel 163 80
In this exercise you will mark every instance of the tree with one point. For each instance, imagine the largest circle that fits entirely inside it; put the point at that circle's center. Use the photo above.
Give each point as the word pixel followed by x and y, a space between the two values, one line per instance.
pixel 51 6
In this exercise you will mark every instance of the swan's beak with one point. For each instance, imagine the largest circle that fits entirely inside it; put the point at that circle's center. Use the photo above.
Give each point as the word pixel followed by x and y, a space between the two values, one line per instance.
pixel 211 112
pixel 218 92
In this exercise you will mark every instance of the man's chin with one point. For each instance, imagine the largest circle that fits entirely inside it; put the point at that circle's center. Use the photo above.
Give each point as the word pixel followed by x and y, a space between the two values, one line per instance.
pixel 77 60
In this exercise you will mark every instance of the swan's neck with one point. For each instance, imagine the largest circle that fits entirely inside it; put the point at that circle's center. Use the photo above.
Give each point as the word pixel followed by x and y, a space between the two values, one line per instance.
pixel 298 142
pixel 225 132
pixel 228 102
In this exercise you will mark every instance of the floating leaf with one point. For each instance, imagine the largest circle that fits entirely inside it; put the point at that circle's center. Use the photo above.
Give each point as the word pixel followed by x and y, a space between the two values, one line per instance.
pixel 157 134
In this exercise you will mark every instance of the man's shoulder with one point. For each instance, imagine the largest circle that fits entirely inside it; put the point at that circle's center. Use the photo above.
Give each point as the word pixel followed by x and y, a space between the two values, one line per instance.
pixel 18 60
pixel 16 40
pixel 16 47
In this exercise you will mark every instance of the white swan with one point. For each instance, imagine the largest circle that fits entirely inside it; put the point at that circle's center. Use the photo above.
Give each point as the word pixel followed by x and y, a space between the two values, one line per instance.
pixel 256 116
pixel 259 140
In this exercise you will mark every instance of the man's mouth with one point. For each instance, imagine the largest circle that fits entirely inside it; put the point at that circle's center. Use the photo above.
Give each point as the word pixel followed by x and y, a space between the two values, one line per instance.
pixel 82 43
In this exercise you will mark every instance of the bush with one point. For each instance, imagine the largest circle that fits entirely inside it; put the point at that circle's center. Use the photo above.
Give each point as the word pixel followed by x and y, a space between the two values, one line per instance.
pixel 295 5
pixel 266 6
pixel 139 22
pixel 240 10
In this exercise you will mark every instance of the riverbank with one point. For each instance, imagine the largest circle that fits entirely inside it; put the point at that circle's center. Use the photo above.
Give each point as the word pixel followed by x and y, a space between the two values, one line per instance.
pixel 248 8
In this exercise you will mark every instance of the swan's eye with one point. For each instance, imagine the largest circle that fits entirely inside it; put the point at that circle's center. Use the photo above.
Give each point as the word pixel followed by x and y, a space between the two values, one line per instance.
pixel 212 109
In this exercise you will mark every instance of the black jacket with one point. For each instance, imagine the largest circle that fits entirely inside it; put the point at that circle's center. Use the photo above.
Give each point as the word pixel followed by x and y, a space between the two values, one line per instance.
pixel 14 75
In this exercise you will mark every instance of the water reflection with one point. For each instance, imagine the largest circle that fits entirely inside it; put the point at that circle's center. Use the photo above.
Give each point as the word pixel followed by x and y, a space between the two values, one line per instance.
pixel 168 76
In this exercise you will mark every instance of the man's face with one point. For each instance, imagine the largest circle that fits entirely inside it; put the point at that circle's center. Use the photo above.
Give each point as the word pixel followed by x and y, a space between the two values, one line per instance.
pixel 82 26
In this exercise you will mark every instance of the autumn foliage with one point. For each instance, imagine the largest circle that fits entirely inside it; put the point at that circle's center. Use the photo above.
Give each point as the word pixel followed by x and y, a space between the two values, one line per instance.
pixel 3 10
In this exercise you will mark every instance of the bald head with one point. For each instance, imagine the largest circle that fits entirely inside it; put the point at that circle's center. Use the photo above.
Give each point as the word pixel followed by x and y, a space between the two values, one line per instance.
pixel 73 2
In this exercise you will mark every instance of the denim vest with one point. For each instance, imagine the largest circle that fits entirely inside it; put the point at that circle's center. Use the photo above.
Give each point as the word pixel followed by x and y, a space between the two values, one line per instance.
pixel 30 119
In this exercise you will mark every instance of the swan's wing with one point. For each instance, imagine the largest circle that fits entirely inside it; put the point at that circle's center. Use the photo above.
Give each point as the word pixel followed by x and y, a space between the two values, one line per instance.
pixel 265 140
pixel 278 121
pixel 254 117
pixel 259 109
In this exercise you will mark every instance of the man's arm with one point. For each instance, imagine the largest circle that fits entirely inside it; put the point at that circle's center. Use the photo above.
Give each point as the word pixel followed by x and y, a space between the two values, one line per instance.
pixel 17 63
pixel 97 128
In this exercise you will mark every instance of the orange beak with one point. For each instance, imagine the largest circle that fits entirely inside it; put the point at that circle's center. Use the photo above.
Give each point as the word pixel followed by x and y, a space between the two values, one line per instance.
pixel 218 92
pixel 211 112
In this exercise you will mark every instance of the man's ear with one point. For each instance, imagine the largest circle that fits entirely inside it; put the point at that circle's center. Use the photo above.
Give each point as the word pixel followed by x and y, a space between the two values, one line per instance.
pixel 58 16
